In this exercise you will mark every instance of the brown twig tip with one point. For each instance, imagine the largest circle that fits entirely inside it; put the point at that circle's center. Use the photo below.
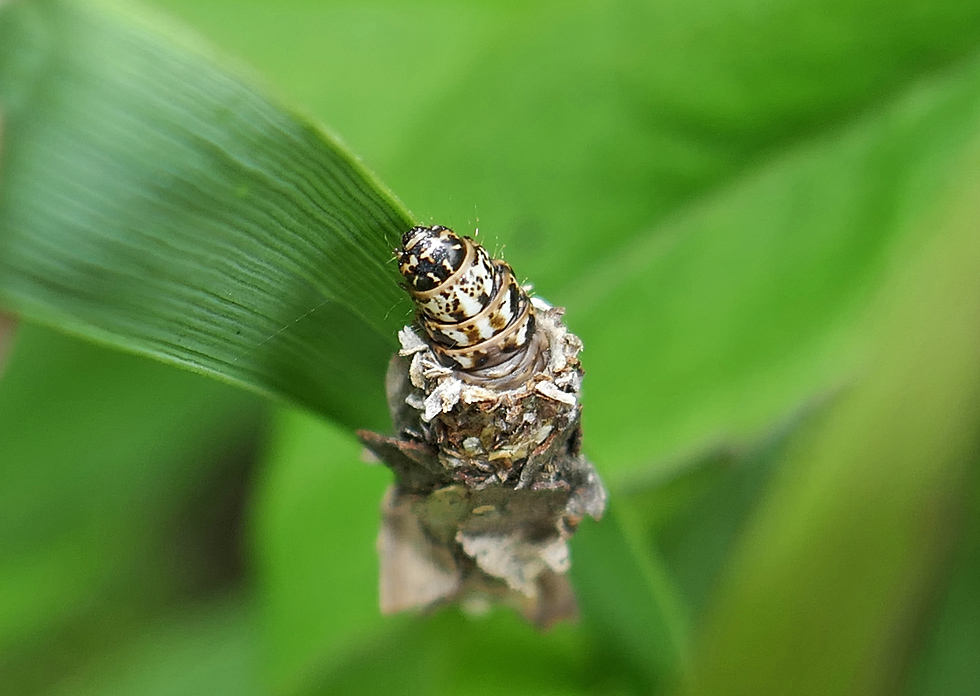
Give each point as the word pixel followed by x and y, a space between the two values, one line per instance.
pixel 490 480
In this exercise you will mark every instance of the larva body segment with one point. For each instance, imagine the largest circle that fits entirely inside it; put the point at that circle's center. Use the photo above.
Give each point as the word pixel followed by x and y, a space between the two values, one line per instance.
pixel 475 313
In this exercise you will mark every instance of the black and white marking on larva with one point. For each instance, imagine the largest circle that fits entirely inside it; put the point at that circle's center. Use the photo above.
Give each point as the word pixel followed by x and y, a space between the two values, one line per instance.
pixel 472 308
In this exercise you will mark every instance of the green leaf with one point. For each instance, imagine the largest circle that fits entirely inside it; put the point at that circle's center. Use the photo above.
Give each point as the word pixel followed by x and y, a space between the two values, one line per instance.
pixel 374 98
pixel 829 583
pixel 693 519
pixel 449 653
pixel 947 663
pixel 315 526
pixel 630 606
pixel 737 312
pixel 101 456
pixel 153 200
pixel 207 650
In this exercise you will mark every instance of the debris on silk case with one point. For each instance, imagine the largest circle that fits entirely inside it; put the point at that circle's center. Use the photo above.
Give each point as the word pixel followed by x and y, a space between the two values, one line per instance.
pixel 490 480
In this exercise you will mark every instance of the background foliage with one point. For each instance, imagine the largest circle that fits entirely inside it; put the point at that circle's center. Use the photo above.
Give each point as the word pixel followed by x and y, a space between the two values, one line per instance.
pixel 762 220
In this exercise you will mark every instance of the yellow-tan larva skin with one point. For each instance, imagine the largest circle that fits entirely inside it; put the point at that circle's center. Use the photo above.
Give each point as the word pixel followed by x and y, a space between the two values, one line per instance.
pixel 473 309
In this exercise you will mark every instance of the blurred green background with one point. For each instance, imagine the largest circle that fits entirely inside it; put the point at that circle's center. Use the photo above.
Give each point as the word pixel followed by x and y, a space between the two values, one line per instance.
pixel 763 220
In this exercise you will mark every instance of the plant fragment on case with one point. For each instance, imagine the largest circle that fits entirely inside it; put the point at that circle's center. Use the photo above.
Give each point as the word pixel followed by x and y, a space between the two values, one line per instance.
pixel 490 481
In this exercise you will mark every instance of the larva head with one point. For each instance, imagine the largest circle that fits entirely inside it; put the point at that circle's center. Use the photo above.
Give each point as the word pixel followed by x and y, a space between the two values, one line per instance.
pixel 429 256
pixel 451 278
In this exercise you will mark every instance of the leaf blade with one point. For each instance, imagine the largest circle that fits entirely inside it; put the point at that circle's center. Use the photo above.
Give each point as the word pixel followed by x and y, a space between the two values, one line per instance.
pixel 827 588
pixel 154 201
